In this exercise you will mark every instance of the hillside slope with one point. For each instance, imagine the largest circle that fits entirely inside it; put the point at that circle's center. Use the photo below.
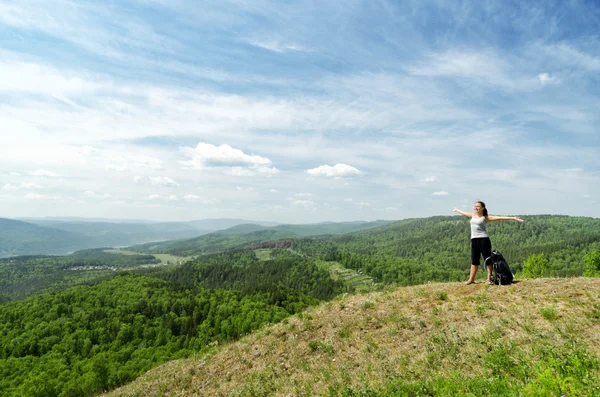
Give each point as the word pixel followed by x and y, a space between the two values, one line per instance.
pixel 240 235
pixel 22 238
pixel 536 337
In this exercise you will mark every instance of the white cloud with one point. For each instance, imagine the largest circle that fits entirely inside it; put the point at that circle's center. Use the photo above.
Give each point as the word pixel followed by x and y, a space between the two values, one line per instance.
pixel 205 154
pixel 348 200
pixel 484 66
pixel 33 196
pixel 196 198
pixel 303 194
pixel 303 202
pixel 440 193
pixel 429 179
pixel 337 171
pixel 233 161
pixel 29 185
pixel 545 78
pixel 39 79
pixel 171 197
pixel 44 173
pixel 163 181
pixel 137 178
pixel 241 171
pixel 120 162
pixel 277 46
pixel 23 185
pixel 570 55
pixel 93 195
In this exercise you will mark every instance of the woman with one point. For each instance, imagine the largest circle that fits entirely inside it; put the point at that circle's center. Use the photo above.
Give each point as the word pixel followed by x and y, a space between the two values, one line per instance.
pixel 480 241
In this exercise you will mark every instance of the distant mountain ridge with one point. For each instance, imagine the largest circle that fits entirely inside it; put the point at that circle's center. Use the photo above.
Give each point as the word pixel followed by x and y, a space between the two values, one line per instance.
pixel 241 235
pixel 22 238
pixel 59 236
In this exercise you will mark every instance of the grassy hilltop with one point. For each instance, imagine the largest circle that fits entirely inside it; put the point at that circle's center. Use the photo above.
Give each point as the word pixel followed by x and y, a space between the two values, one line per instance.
pixel 539 337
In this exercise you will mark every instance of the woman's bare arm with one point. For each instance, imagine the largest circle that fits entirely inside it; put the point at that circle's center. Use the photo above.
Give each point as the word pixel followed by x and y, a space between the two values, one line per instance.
pixel 467 214
pixel 491 218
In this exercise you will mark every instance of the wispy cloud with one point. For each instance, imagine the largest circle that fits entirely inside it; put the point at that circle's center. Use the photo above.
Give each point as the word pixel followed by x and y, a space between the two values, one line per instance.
pixel 35 196
pixel 159 197
pixel 44 173
pixel 163 181
pixel 276 45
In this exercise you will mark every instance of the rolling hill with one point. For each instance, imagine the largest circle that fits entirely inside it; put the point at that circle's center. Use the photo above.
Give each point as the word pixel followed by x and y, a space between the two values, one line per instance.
pixel 537 337
pixel 60 236
pixel 22 238
pixel 240 235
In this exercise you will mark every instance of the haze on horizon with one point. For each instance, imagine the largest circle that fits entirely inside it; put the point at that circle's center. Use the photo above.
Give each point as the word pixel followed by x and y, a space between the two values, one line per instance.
pixel 298 112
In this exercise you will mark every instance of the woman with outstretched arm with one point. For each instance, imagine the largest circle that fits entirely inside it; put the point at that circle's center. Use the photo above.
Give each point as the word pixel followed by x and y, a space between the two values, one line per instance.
pixel 480 240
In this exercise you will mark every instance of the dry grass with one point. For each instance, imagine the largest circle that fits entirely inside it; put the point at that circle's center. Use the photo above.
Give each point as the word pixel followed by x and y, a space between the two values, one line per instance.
pixel 410 333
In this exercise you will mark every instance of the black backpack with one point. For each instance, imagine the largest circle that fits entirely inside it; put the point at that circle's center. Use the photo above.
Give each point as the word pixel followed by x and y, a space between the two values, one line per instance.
pixel 501 274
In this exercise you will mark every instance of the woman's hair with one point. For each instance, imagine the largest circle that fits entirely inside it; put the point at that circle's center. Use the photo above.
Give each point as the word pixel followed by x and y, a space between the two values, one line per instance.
pixel 485 213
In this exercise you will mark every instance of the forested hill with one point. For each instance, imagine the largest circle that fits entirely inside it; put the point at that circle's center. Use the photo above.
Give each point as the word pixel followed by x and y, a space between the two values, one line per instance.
pixel 241 235
pixel 95 337
pixel 412 251
pixel 210 243
pixel 22 238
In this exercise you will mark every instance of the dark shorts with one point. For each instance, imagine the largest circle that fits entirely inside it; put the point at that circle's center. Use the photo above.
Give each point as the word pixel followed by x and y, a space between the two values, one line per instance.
pixel 480 246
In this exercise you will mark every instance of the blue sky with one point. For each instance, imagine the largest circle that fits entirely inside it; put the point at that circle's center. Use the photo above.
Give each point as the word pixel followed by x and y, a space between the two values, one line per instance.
pixel 298 111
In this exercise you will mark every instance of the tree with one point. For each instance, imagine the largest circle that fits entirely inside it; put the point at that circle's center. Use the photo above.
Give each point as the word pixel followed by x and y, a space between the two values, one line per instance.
pixel 535 266
pixel 592 264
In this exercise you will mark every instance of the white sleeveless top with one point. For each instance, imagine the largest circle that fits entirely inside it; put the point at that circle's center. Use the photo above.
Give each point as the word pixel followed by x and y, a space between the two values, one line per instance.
pixel 478 227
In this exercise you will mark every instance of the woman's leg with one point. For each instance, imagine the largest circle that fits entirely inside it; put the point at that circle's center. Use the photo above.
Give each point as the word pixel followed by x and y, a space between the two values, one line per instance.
pixel 471 279
pixel 475 254
pixel 486 251
pixel 489 272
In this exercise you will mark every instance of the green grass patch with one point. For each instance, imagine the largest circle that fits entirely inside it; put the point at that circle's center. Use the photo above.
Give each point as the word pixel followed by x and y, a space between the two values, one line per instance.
pixel 549 313
pixel 165 259
pixel 441 295
pixel 168 259
pixel 263 254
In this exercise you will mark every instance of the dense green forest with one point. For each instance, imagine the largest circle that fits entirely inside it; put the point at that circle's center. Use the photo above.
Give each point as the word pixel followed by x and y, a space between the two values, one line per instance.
pixel 91 338
pixel 211 243
pixel 24 276
pixel 310 229
pixel 241 236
